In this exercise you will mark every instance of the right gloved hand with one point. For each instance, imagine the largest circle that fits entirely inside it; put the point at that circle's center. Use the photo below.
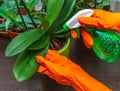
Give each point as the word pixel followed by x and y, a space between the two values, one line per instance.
pixel 103 20
pixel 66 72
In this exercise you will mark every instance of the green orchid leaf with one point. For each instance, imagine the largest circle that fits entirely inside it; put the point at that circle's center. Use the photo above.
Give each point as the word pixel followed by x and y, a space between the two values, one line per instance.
pixel 1 29
pixel 65 12
pixel 26 65
pixel 44 3
pixel 59 31
pixel 33 3
pixel 4 13
pixel 53 9
pixel 27 19
pixel 7 15
pixel 63 35
pixel 22 41
pixel 44 22
pixel 17 23
pixel 2 25
pixel 7 24
pixel 41 43
pixel 7 4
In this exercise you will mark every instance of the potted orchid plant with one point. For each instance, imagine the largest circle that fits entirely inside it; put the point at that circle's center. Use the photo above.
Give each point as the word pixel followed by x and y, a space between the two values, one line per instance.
pixel 38 40
pixel 16 21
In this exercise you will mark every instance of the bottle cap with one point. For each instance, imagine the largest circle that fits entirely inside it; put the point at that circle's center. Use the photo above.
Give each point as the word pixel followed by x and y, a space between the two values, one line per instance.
pixel 65 27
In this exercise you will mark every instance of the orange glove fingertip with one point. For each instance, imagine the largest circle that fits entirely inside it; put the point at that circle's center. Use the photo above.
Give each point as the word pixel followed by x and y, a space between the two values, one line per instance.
pixel 87 38
pixel 74 34
pixel 41 69
pixel 39 59
pixel 51 53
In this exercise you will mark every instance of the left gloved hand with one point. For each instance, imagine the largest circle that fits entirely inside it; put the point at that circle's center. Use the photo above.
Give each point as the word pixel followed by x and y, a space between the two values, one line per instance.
pixel 64 71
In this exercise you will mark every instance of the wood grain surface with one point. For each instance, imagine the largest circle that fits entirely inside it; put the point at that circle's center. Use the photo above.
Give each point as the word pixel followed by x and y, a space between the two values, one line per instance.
pixel 107 73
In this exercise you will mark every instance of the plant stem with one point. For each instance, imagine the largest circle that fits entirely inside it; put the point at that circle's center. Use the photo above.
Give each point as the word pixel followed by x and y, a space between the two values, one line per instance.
pixel 20 14
pixel 51 46
pixel 28 13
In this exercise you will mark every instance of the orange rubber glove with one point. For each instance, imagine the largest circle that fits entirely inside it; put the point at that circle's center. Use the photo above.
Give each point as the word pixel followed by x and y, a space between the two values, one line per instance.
pixel 74 34
pixel 102 19
pixel 87 38
pixel 68 73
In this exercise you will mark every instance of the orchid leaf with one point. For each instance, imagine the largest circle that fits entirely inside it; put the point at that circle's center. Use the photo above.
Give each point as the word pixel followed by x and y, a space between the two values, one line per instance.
pixel 25 65
pixel 41 43
pixel 4 14
pixel 7 24
pixel 31 4
pixel 27 19
pixel 22 41
pixel 7 4
pixel 63 35
pixel 65 12
pixel 2 26
pixel 53 9
pixel 44 22
pixel 17 23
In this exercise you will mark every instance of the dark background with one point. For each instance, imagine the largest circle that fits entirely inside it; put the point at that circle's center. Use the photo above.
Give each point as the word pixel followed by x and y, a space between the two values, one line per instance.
pixel 107 73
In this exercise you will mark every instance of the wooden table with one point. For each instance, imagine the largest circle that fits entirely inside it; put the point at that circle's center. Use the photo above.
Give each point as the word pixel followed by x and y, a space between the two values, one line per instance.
pixel 107 73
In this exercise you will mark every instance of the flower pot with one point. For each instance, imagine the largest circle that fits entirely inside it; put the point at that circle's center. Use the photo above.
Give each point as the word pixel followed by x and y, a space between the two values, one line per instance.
pixel 23 11
pixel 12 34
pixel 66 49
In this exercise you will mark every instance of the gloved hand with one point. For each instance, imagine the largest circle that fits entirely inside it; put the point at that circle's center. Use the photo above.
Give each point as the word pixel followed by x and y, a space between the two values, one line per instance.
pixel 87 38
pixel 64 71
pixel 102 20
